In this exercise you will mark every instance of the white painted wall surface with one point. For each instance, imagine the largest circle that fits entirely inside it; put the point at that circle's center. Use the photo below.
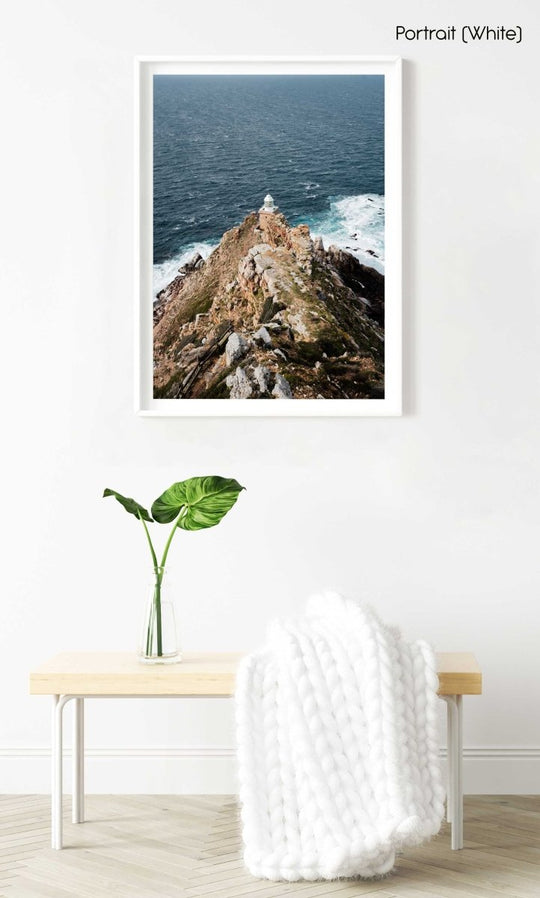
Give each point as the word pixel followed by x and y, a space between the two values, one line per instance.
pixel 433 517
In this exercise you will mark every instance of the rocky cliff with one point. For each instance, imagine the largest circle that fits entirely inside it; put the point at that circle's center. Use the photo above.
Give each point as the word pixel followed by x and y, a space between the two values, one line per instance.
pixel 271 314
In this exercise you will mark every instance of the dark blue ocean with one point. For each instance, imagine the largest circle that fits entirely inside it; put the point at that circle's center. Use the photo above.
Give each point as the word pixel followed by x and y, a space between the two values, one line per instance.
pixel 315 142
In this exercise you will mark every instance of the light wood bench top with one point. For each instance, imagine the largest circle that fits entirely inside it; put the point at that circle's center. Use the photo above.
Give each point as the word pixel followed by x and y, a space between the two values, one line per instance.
pixel 200 673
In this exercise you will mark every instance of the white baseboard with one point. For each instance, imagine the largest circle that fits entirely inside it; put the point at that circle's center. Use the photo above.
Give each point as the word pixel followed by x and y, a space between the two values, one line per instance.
pixel 501 770
pixel 186 770
pixel 156 770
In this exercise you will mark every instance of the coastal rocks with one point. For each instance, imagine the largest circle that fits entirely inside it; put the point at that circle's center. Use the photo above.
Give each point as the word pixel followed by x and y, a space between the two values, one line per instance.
pixel 270 309
pixel 259 249
pixel 193 355
pixel 302 247
pixel 263 378
pixel 276 230
pixel 246 384
pixel 236 347
pixel 271 281
pixel 259 270
pixel 246 270
pixel 239 385
pixel 163 297
pixel 270 314
pixel 366 283
pixel 298 325
pixel 193 264
pixel 262 337
pixel 261 255
pixel 282 389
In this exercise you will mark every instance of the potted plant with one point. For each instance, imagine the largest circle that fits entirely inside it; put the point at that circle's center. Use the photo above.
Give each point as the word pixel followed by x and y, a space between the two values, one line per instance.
pixel 194 504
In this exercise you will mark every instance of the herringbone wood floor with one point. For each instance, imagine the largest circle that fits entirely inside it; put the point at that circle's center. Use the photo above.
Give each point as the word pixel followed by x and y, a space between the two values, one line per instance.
pixel 149 846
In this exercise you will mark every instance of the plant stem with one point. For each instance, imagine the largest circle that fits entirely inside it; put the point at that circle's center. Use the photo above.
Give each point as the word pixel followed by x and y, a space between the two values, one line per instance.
pixel 149 633
pixel 169 541
pixel 154 557
pixel 159 570
pixel 157 605
pixel 156 600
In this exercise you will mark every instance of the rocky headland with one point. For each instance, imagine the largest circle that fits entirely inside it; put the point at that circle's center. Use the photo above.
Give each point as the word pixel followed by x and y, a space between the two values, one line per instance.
pixel 271 314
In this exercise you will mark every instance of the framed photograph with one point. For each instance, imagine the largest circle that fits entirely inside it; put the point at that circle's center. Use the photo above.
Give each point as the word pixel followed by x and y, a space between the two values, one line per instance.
pixel 268 264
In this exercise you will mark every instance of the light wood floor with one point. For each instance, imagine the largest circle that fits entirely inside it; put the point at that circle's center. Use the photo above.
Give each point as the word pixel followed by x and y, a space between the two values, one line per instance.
pixel 174 846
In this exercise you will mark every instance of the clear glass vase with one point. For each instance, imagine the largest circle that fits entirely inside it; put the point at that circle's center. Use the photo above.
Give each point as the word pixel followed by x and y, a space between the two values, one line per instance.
pixel 159 638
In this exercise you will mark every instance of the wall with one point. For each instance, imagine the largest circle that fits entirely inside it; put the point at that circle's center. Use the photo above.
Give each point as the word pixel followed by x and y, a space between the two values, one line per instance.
pixel 432 516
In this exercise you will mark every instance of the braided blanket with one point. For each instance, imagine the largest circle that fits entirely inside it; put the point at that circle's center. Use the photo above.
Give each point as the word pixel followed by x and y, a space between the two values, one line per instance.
pixel 338 745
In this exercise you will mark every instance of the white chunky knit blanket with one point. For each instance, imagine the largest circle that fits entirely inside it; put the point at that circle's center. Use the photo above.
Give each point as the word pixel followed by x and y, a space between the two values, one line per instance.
pixel 337 745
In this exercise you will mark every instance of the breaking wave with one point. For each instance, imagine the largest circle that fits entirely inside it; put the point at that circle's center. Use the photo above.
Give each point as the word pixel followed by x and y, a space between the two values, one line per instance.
pixel 166 271
pixel 354 223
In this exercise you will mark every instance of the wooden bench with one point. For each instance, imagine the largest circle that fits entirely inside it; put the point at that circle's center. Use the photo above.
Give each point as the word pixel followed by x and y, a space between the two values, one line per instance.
pixel 83 675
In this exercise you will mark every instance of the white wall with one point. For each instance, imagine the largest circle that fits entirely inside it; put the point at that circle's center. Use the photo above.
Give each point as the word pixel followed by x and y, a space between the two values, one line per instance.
pixel 433 516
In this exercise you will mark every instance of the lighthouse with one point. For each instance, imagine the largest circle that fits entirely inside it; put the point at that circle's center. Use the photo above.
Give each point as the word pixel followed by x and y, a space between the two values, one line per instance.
pixel 267 212
pixel 268 205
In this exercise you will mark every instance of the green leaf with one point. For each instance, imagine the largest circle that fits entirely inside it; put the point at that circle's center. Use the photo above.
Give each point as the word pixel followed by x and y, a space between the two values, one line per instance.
pixel 129 504
pixel 203 500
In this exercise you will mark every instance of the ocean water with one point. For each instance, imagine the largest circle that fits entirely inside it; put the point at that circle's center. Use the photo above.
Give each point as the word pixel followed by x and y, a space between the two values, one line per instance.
pixel 316 143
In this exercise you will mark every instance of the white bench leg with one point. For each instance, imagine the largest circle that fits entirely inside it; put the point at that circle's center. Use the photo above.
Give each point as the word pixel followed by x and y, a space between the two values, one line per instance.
pixel 457 836
pixel 78 762
pixel 455 767
pixel 56 786
pixel 449 763
pixel 59 701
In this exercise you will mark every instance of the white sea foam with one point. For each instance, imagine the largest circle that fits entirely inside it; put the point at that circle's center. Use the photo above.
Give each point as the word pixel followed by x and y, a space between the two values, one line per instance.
pixel 165 272
pixel 355 223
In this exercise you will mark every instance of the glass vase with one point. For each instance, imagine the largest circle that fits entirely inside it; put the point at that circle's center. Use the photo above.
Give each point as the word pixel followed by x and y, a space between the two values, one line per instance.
pixel 159 639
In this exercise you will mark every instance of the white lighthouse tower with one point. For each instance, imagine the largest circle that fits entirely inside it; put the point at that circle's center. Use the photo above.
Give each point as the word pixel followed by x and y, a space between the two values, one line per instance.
pixel 268 205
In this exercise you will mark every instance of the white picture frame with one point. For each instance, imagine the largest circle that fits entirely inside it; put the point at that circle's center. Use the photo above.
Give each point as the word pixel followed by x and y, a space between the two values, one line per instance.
pixel 145 69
